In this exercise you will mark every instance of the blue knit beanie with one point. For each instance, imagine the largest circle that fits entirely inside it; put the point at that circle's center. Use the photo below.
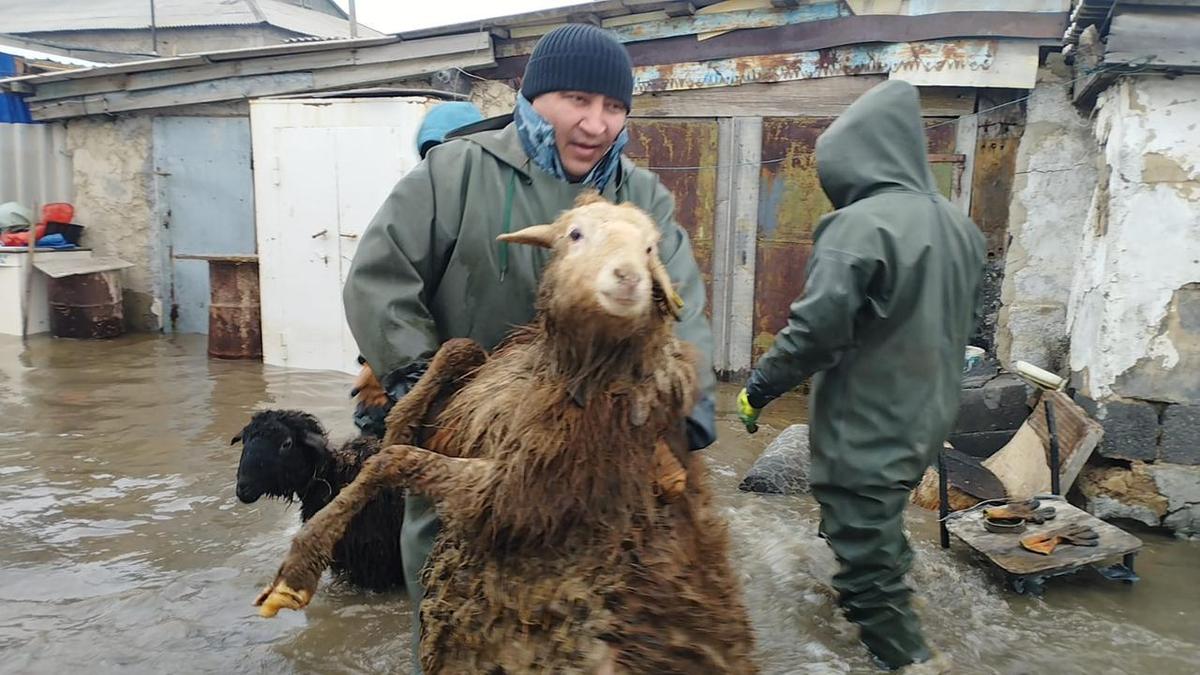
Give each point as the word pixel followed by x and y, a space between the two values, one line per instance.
pixel 441 120
pixel 579 57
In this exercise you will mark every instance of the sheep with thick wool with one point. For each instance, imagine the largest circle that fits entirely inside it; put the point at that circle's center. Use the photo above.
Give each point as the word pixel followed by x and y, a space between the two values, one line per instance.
pixel 286 454
pixel 557 553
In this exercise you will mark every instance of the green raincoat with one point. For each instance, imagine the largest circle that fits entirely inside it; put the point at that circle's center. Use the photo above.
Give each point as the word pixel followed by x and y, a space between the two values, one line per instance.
pixel 429 268
pixel 887 309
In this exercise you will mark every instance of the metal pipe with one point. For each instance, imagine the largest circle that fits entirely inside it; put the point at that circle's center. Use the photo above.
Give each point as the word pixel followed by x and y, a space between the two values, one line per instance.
pixel 153 30
pixel 353 21
pixel 943 498
pixel 1051 429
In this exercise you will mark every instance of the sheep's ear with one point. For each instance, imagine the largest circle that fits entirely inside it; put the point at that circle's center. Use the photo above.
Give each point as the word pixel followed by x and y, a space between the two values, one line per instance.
pixel 236 439
pixel 534 235
pixel 316 441
pixel 589 196
pixel 662 281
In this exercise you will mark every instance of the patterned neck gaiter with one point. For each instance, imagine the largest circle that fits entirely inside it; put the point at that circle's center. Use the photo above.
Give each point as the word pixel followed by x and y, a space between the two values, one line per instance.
pixel 537 137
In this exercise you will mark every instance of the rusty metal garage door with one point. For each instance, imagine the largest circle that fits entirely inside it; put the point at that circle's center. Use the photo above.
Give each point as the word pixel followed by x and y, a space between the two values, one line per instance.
pixel 790 204
pixel 683 152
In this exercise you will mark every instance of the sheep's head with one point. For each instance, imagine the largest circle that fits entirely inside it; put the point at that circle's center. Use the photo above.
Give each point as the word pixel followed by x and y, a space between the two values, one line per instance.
pixel 281 450
pixel 605 262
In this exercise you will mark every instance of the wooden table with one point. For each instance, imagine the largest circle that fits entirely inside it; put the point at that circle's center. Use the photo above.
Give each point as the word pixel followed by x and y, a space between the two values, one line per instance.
pixel 1027 570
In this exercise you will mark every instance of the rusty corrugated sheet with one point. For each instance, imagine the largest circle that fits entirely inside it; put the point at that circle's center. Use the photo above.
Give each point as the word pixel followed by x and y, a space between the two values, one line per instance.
pixel 790 204
pixel 35 166
pixel 673 149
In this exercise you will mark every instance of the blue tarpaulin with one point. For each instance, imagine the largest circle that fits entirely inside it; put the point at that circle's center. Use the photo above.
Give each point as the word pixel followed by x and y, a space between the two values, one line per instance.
pixel 12 106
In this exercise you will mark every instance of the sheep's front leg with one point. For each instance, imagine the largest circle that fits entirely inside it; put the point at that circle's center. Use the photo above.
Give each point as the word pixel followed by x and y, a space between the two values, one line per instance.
pixel 450 368
pixel 445 479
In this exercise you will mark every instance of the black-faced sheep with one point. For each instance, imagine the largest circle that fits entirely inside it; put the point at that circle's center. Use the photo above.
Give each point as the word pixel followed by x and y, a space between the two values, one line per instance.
pixel 286 455
pixel 556 554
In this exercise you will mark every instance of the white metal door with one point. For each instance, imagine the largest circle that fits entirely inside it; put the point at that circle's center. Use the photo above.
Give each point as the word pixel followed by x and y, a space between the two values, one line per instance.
pixel 324 170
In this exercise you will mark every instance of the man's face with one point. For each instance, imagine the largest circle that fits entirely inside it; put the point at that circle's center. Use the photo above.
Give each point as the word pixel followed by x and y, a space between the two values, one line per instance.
pixel 585 126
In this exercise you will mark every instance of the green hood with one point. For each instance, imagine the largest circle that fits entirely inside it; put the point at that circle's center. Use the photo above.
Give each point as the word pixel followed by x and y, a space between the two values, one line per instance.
pixel 877 144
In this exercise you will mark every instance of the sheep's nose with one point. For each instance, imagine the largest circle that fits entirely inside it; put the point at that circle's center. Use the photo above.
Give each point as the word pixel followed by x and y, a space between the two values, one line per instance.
pixel 246 494
pixel 627 275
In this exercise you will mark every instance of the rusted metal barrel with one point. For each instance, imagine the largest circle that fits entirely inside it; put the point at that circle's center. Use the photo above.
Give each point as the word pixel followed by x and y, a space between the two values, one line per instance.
pixel 86 306
pixel 234 314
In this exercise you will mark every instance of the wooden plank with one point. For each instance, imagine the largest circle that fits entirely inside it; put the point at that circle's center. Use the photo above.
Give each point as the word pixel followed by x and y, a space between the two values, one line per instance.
pixel 1078 435
pixel 57 268
pixel 1013 65
pixel 361 57
pixel 1158 37
pixel 626 19
pixel 1004 550
pixel 255 86
pixel 966 131
pixel 824 97
pixel 126 76
pixel 963 56
pixel 723 258
pixel 915 7
pixel 747 157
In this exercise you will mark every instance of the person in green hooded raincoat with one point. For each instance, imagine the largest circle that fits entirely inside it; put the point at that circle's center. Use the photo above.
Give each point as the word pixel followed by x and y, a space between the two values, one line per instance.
pixel 881 328
pixel 429 268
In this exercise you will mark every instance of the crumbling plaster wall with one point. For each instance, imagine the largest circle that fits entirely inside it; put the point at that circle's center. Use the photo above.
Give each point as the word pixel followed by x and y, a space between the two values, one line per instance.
pixel 1134 312
pixel 1133 309
pixel 114 199
pixel 493 97
pixel 1055 177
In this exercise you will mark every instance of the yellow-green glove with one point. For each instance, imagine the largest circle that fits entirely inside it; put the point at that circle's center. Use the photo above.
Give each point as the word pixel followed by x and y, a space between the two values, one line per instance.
pixel 747 413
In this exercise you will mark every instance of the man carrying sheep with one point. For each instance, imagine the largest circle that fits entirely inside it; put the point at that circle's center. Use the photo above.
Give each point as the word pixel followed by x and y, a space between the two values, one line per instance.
pixel 429 267
pixel 881 327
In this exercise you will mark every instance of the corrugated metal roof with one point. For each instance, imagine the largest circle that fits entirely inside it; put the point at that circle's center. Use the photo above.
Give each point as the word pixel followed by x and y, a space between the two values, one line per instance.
pixel 36 55
pixel 40 16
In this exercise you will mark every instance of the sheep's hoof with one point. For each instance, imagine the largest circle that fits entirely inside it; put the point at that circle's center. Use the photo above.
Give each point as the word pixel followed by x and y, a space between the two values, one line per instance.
pixel 281 596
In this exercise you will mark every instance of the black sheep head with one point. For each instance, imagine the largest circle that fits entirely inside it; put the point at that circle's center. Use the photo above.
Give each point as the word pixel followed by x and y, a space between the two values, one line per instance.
pixel 281 451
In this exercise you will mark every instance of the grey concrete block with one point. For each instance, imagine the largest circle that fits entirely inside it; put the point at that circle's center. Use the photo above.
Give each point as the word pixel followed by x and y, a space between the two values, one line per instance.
pixel 1130 430
pixel 1180 442
pixel 1000 404
pixel 1181 486
pixel 783 466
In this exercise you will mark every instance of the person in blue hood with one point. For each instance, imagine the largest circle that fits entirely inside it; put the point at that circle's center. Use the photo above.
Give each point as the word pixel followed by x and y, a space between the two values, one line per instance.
pixel 441 120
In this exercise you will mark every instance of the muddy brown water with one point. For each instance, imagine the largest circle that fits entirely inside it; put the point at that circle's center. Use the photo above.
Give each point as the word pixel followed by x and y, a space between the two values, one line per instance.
pixel 123 548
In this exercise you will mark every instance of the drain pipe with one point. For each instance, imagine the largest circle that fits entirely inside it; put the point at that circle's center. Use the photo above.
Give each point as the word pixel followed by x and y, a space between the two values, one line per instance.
pixel 353 21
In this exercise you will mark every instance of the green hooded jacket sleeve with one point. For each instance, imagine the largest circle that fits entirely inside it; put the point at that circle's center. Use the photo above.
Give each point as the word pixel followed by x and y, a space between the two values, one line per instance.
pixel 821 324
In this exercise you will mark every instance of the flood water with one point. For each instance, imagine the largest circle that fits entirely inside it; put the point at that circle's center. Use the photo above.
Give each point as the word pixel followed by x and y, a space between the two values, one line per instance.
pixel 123 548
